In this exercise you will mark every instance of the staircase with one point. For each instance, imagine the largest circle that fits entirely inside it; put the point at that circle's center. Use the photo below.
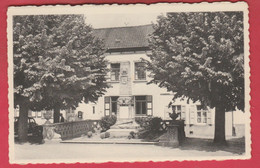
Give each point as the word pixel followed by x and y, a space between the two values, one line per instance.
pixel 123 127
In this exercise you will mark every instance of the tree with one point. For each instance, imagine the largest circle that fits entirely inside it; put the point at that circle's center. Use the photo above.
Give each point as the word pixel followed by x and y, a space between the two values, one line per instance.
pixel 58 63
pixel 199 56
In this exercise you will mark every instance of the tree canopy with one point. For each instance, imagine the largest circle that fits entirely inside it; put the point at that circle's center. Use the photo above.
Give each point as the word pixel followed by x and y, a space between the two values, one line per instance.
pixel 200 56
pixel 57 61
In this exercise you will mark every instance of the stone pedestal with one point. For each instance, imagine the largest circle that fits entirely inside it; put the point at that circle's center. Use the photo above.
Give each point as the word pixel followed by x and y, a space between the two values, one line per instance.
pixel 170 138
pixel 181 132
pixel 175 134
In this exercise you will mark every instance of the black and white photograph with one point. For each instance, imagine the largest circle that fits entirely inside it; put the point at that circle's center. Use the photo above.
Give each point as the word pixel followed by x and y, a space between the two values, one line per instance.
pixel 127 83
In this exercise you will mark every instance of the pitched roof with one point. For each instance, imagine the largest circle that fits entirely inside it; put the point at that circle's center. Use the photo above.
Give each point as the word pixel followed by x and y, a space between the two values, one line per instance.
pixel 124 37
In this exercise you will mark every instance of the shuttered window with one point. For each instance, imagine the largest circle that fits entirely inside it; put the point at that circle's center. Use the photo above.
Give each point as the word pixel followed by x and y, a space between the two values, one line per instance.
pixel 202 114
pixel 140 105
pixel 143 105
pixel 180 109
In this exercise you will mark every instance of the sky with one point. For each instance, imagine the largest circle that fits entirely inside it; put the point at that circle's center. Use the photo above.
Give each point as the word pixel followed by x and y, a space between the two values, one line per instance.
pixel 120 20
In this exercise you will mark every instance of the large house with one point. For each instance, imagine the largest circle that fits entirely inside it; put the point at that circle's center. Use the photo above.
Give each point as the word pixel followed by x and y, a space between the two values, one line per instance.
pixel 130 96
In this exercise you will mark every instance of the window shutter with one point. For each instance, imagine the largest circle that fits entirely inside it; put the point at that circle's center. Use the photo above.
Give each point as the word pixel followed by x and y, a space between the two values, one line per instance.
pixel 149 100
pixel 108 72
pixel 34 114
pixel 29 113
pixel 183 112
pixel 192 114
pixel 107 106
pixel 16 112
pixel 209 118
pixel 167 110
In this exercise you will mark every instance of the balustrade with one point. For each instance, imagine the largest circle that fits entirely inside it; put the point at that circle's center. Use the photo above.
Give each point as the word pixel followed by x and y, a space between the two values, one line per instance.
pixel 69 130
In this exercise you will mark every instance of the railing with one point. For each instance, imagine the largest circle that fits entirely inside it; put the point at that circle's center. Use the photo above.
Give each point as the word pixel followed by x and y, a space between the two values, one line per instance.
pixel 69 130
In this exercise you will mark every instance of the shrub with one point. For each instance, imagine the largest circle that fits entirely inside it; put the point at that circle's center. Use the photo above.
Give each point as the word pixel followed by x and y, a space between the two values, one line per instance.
pixel 107 121
pixel 143 121
pixel 132 135
pixel 155 124
pixel 151 131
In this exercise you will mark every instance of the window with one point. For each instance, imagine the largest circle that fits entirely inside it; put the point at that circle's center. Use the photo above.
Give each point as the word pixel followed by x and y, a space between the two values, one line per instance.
pixel 201 114
pixel 140 73
pixel 39 114
pixel 179 109
pixel 111 105
pixel 115 71
pixel 114 104
pixel 143 105
pixel 93 110
pixel 80 114
pixel 16 112
pixel 34 114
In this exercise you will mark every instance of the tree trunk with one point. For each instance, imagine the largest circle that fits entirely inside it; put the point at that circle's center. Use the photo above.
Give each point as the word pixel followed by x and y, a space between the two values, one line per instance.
pixel 220 133
pixel 56 114
pixel 23 123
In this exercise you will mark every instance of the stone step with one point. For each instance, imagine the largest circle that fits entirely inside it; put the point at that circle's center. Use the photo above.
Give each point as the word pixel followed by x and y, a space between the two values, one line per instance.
pixel 120 133
pixel 126 126
pixel 125 120
pixel 114 141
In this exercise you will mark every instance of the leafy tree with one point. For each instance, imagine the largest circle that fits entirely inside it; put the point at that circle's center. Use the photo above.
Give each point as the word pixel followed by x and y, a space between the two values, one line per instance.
pixel 57 64
pixel 199 56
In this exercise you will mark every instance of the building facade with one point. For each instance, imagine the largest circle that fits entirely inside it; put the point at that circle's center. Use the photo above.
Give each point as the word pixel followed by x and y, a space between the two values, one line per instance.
pixel 129 95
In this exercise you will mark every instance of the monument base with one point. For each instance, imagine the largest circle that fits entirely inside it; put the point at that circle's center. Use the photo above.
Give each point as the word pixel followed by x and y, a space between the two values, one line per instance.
pixel 170 138
pixel 174 136
pixel 122 128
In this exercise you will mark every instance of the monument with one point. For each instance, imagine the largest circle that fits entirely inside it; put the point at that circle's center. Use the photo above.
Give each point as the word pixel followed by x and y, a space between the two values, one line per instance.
pixel 125 106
